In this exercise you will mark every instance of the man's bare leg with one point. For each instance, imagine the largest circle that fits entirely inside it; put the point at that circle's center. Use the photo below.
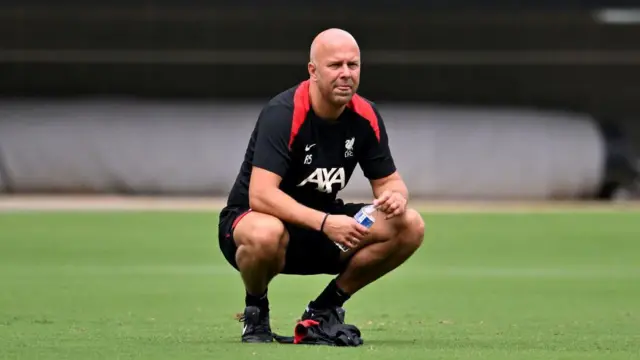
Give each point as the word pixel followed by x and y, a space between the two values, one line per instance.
pixel 390 244
pixel 262 242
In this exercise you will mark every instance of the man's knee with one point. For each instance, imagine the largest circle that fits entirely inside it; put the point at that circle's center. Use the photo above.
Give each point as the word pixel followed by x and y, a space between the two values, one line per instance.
pixel 261 235
pixel 410 230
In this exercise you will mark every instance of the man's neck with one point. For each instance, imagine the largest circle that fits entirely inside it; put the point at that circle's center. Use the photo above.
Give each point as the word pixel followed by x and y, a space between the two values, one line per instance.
pixel 321 107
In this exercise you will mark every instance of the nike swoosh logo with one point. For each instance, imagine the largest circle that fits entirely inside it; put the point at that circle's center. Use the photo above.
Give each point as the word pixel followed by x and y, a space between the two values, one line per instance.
pixel 308 147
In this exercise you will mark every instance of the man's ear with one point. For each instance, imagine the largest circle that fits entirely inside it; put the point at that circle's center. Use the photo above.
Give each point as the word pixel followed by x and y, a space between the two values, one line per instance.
pixel 311 67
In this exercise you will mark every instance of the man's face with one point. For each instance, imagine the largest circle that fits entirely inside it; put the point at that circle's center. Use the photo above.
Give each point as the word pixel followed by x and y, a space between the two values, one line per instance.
pixel 336 71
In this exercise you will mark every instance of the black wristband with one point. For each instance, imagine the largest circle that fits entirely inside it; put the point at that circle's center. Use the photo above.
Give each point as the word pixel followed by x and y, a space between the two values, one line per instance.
pixel 323 221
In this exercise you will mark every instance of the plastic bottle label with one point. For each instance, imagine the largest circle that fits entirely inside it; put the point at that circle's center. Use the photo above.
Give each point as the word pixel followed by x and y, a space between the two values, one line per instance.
pixel 363 218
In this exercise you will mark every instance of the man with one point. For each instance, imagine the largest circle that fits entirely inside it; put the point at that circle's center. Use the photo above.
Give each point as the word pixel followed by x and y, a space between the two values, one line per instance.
pixel 283 215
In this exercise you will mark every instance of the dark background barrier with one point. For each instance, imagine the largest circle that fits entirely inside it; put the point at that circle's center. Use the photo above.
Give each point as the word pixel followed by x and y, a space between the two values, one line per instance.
pixel 545 57
pixel 414 4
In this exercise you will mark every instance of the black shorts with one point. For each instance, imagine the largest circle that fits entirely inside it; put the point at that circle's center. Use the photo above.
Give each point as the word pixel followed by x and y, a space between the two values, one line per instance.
pixel 309 252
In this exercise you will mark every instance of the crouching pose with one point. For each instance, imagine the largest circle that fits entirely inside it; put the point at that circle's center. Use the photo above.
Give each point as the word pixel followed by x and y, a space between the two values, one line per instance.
pixel 283 215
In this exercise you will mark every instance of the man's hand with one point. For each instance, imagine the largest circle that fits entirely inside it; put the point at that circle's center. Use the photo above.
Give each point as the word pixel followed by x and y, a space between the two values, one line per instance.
pixel 391 203
pixel 344 230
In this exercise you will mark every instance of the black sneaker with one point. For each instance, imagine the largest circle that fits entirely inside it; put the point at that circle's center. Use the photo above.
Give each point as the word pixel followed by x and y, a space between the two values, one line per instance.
pixel 331 316
pixel 257 328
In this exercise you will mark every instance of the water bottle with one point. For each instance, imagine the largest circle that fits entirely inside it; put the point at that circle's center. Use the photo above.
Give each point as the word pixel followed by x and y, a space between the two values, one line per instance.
pixel 365 218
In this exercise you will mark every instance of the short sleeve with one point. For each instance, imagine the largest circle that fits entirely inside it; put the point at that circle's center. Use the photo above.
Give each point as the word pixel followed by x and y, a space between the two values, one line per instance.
pixel 271 150
pixel 376 160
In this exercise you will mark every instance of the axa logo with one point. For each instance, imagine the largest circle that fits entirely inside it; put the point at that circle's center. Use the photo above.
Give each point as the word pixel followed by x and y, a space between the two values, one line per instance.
pixel 325 179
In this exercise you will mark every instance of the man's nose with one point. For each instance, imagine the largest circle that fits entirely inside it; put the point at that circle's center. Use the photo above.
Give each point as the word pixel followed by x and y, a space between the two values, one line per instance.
pixel 345 71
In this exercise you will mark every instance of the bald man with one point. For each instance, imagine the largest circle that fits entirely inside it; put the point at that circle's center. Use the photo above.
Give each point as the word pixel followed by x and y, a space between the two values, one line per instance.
pixel 283 215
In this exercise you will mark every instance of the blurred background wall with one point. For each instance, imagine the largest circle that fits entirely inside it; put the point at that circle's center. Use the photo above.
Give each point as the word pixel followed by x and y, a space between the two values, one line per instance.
pixel 501 99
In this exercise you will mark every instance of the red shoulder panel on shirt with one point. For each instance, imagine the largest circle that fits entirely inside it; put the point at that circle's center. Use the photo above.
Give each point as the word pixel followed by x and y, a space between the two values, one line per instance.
pixel 300 109
pixel 363 108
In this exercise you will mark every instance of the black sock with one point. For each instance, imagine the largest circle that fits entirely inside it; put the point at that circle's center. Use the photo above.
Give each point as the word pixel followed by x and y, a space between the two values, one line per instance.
pixel 261 301
pixel 331 296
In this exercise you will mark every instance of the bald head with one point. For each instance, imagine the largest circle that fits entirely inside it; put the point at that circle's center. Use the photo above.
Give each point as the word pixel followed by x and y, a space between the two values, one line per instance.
pixel 334 66
pixel 329 40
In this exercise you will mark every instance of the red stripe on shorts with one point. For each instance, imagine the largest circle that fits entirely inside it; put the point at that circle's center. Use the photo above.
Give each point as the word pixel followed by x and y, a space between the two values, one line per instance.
pixel 237 220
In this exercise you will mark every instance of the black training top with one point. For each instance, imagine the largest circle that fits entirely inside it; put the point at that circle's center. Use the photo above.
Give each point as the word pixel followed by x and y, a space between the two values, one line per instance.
pixel 314 157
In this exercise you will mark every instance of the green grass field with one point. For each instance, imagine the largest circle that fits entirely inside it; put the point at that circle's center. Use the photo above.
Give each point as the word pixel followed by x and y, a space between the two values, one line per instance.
pixel 150 285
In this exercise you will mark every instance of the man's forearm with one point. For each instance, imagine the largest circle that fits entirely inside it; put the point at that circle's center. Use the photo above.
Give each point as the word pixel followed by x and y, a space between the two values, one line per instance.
pixel 277 203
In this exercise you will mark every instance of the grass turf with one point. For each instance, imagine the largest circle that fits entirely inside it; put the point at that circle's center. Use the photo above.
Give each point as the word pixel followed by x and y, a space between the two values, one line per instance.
pixel 485 286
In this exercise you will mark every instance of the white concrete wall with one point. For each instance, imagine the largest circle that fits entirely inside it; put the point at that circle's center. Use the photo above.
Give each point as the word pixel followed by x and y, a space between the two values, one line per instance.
pixel 189 148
